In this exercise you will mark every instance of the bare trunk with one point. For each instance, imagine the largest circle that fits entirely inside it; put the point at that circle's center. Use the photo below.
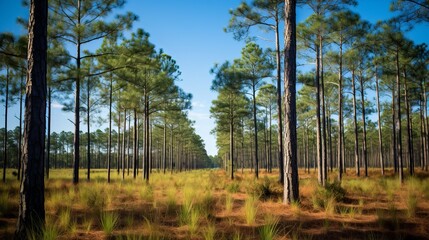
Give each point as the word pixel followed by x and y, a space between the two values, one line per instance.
pixel 356 152
pixel 291 188
pixel 76 141
pixel 279 108
pixel 31 207
pixel 380 136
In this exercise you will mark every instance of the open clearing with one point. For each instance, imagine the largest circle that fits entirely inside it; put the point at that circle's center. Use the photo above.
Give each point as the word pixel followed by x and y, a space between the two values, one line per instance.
pixel 203 204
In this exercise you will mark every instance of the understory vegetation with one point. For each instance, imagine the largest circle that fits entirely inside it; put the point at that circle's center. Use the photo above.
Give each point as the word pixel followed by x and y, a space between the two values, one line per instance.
pixel 203 204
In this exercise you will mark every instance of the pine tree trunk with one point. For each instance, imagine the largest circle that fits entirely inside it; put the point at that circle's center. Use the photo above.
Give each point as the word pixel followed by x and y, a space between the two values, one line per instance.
pixel 109 144
pixel 356 151
pixel 380 136
pixel 291 189
pixel 409 127
pixel 364 147
pixel 76 141
pixel 88 131
pixel 135 145
pixel 340 157
pixel 398 120
pixel 31 207
pixel 279 107
pixel 5 139
pixel 20 127
pixel 255 125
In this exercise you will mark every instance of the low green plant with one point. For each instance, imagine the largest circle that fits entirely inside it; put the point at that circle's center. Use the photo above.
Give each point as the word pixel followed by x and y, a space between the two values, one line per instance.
pixel 270 229
pixel 64 219
pixel 4 203
pixel 93 197
pixel 237 236
pixel 233 187
pixel 50 232
pixel 250 209
pixel 411 204
pixel 209 232
pixel 146 192
pixel 108 221
pixel 229 202
pixel 296 208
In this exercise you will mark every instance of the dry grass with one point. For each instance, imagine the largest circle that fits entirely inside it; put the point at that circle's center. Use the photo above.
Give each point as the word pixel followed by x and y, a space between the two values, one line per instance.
pixel 207 205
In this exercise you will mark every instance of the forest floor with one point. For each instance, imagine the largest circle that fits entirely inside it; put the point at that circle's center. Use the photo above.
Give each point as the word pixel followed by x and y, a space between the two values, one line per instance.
pixel 205 204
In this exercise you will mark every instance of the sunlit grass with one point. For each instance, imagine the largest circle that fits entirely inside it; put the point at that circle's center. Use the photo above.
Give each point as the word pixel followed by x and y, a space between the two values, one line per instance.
pixel 250 210
pixel 109 221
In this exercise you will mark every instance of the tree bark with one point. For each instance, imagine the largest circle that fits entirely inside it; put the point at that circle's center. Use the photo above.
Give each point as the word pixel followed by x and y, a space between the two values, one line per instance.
pixel 380 136
pixel 5 139
pixel 31 207
pixel 356 151
pixel 364 145
pixel 279 107
pixel 409 127
pixel 291 188
pixel 109 144
pixel 76 141
pixel 398 120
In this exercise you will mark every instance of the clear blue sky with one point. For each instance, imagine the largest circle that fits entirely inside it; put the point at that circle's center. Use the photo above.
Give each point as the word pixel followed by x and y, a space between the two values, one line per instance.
pixel 191 31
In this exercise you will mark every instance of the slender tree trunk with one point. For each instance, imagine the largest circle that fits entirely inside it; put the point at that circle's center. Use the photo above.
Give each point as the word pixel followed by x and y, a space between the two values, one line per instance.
pixel 5 126
pixel 319 146
pixel 76 141
pixel 364 147
pixel 380 136
pixel 322 100
pixel 340 117
pixel 409 127
pixel 135 145
pixel 231 141
pixel 119 156
pixel 20 127
pixel 128 145
pixel 356 152
pixel 291 188
pixel 164 147
pixel 123 144
pixel 109 144
pixel 394 138
pixel 88 130
pixel 255 124
pixel 31 207
pixel 398 120
pixel 279 107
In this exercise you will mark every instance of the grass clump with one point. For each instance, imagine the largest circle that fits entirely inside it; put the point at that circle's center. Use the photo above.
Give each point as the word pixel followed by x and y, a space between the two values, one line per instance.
pixel 209 232
pixel 94 198
pixel 146 192
pixel 327 197
pixel 261 190
pixel 108 221
pixel 411 202
pixel 270 229
pixel 4 203
pixel 229 202
pixel 64 219
pixel 250 209
pixel 233 187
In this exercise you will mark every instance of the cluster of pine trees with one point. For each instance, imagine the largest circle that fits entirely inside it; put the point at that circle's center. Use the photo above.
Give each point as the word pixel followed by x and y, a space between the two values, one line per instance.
pixel 92 65
pixel 363 105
